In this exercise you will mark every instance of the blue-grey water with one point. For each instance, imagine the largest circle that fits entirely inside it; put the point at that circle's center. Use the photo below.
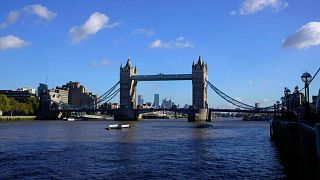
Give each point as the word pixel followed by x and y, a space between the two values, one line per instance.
pixel 151 149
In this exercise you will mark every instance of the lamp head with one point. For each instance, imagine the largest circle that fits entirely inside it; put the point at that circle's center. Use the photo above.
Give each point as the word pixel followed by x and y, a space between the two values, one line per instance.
pixel 306 77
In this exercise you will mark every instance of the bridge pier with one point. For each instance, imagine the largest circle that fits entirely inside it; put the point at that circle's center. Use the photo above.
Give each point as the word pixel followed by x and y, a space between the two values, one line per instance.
pixel 199 115
pixel 126 114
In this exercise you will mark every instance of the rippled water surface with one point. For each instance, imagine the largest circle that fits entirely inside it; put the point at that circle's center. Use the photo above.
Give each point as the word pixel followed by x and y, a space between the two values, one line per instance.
pixel 161 149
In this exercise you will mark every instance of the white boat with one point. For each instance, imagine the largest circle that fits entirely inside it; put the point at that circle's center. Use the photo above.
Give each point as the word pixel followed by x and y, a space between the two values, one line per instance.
pixel 125 126
pixel 113 125
pixel 117 126
pixel 71 119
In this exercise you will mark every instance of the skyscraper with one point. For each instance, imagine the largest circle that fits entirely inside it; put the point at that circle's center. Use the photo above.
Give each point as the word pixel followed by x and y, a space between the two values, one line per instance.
pixel 156 101
pixel 140 99
pixel 167 103
pixel 42 88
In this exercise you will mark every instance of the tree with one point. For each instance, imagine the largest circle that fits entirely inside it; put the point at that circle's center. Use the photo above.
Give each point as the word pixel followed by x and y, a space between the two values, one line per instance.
pixel 33 104
pixel 28 107
pixel 5 104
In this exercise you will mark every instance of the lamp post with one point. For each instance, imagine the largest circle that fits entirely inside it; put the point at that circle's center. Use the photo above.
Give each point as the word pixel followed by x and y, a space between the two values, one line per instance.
pixel 278 108
pixel 306 78
pixel 286 95
pixel 282 106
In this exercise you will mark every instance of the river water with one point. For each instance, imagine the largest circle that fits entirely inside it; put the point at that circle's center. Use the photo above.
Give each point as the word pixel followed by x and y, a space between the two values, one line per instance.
pixel 151 149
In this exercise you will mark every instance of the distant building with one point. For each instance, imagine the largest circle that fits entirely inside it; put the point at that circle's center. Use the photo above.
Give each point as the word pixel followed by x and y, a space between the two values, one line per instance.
pixel 30 90
pixel 63 93
pixel 140 99
pixel 167 103
pixel 314 99
pixel 297 98
pixel 156 101
pixel 110 105
pixel 147 105
pixel 52 95
pixel 294 101
pixel 257 105
pixel 78 96
pixel 20 95
pixel 49 98
pixel 186 106
pixel 42 88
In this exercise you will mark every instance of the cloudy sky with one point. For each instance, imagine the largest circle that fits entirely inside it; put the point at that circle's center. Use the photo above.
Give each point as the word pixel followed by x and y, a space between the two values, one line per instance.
pixel 254 48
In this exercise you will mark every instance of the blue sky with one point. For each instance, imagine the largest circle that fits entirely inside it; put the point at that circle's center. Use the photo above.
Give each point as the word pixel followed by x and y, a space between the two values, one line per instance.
pixel 254 48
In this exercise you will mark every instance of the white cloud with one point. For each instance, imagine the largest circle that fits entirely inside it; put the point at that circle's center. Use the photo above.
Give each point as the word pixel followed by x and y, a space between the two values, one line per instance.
pixel 101 63
pixel 36 9
pixel 40 11
pixel 11 42
pixel 147 32
pixel 253 6
pixel 156 44
pixel 95 23
pixel 10 19
pixel 308 35
pixel 232 13
pixel 180 42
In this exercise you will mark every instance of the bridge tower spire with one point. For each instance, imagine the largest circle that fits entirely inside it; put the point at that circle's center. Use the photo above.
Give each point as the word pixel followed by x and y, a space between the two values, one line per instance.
pixel 199 91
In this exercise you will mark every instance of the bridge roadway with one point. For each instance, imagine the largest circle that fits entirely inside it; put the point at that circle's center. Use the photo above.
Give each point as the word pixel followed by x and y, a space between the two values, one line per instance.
pixel 178 110
pixel 162 77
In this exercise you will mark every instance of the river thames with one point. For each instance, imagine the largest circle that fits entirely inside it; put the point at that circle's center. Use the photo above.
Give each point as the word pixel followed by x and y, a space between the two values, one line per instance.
pixel 150 149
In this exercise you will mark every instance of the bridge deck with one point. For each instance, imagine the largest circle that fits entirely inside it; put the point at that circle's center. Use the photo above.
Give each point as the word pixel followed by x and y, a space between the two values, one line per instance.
pixel 162 77
pixel 179 110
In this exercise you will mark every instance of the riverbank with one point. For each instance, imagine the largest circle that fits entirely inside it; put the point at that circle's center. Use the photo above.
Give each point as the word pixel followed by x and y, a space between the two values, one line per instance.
pixel 299 146
pixel 17 118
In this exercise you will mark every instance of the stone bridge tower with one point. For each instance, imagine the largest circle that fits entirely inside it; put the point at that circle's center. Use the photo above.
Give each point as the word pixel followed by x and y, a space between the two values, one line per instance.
pixel 127 86
pixel 199 91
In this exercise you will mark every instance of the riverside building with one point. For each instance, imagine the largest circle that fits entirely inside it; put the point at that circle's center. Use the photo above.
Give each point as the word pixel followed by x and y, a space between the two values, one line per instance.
pixel 78 95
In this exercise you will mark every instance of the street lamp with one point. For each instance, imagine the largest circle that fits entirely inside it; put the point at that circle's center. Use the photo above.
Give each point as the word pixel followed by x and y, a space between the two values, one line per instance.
pixel 306 78
pixel 277 108
pixel 286 95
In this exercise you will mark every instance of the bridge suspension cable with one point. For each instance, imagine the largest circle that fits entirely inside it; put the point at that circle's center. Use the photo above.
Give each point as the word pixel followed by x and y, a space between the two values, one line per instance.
pixel 234 101
pixel 113 95
pixel 110 96
pixel 109 91
pixel 314 75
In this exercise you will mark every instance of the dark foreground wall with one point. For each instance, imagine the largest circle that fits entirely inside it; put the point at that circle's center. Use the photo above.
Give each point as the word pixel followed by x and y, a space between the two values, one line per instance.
pixel 299 146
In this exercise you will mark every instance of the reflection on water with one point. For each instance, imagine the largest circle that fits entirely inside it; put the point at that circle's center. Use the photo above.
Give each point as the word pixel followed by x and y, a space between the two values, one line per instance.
pixel 149 149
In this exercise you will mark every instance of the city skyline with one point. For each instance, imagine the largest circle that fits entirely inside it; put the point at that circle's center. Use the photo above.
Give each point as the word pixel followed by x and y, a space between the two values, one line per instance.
pixel 252 47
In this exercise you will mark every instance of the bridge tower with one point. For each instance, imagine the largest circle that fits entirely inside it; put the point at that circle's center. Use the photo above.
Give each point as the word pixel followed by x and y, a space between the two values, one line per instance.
pixel 199 92
pixel 127 85
pixel 128 89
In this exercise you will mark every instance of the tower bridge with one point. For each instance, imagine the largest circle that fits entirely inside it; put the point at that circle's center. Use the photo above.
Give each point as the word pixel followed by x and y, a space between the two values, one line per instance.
pixel 128 110
pixel 128 90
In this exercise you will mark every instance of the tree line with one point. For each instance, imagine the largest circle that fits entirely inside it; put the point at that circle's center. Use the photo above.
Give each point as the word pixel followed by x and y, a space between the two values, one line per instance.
pixel 10 106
